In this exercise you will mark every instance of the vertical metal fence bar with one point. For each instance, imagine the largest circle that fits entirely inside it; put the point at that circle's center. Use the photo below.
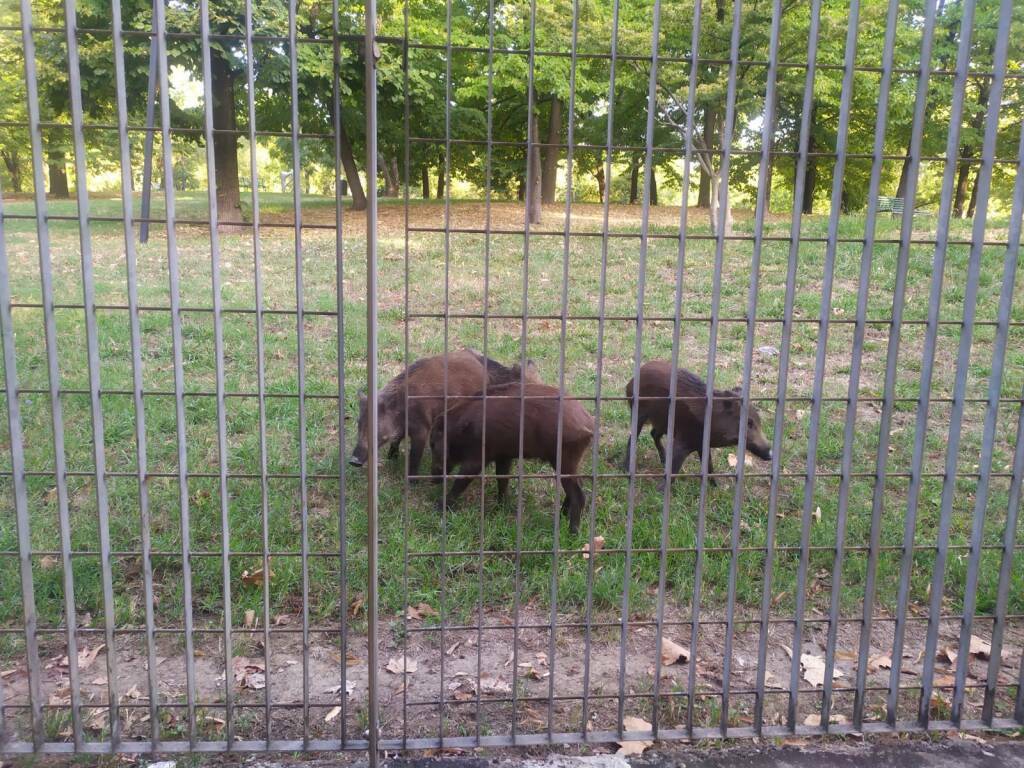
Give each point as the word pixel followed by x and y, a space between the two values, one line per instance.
pixel 856 359
pixel 599 368
pixel 56 414
pixel 787 333
pixel 261 374
pixel 825 314
pixel 446 330
pixel 566 245
pixel 131 271
pixel 93 354
pixel 488 171
pixel 179 377
pixel 761 206
pixel 984 186
pixel 300 344
pixel 218 345
pixel 371 376
pixel 1013 507
pixel 673 391
pixel 694 58
pixel 674 379
pixel 147 141
pixel 1015 494
pixel 892 357
pixel 716 296
pixel 645 215
pixel 339 289
pixel 28 594
pixel 520 492
pixel 927 367
pixel 406 108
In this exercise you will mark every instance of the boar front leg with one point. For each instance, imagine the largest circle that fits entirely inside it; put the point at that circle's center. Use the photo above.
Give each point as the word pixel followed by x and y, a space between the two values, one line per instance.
pixel 502 467
pixel 711 468
pixel 417 444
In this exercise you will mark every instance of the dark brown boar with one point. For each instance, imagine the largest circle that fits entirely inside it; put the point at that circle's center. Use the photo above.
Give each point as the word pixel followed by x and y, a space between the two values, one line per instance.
pixel 691 402
pixel 424 381
pixel 472 444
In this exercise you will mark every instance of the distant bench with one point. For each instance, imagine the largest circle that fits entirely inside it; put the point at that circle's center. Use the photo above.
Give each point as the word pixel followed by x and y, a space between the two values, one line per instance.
pixel 894 205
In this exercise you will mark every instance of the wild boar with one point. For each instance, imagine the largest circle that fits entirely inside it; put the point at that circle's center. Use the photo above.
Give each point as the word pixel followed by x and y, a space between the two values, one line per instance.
pixel 691 403
pixel 425 382
pixel 473 443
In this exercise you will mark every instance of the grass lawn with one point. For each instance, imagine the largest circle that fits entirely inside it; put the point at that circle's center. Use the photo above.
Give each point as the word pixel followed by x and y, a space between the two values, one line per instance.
pixel 463 575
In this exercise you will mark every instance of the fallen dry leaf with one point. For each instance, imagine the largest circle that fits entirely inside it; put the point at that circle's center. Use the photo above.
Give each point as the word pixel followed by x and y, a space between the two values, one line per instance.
pixel 980 648
pixel 249 673
pixel 814 669
pixel 876 663
pixel 835 719
pixel 86 656
pixel 396 666
pixel 817 514
pixel 335 711
pixel 530 672
pixel 250 619
pixel 630 723
pixel 49 562
pixel 598 546
pixel 944 681
pixel 419 611
pixel 255 578
pixel 217 722
pixel 673 653
pixel 494 686
pixel 355 606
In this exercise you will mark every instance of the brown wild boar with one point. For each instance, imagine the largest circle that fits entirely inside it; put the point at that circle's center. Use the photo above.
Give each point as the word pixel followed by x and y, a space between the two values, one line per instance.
pixel 425 382
pixel 466 432
pixel 691 402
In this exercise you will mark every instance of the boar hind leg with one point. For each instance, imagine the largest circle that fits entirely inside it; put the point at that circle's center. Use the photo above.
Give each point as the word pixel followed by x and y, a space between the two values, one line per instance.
pixel 679 453
pixel 417 444
pixel 393 450
pixel 711 468
pixel 573 503
pixel 461 484
pixel 632 442
pixel 502 467
pixel 656 436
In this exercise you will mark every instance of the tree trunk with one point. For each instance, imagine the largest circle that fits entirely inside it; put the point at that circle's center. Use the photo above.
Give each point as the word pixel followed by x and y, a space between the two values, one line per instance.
pixel 348 162
pixel 634 180
pixel 425 181
pixel 533 197
pixel 716 189
pixel 599 175
pixel 551 152
pixel 704 190
pixel 963 174
pixel 58 174
pixel 440 181
pixel 654 187
pixel 521 190
pixel 12 161
pixel 811 171
pixel 225 145
pixel 968 150
pixel 389 167
pixel 974 197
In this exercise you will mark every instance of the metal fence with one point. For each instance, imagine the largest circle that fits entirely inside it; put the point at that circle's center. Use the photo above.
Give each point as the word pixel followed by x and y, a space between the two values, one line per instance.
pixel 502 641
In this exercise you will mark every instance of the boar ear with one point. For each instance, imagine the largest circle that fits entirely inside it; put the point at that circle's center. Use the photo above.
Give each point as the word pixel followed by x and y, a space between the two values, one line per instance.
pixel 728 403
pixel 362 397
pixel 738 391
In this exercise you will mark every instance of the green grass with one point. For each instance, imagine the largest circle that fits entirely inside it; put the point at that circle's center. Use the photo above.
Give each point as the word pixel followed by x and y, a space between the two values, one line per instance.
pixel 459 530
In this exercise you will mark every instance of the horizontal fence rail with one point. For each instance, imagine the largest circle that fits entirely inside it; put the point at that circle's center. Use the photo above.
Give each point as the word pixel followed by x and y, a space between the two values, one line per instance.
pixel 224 526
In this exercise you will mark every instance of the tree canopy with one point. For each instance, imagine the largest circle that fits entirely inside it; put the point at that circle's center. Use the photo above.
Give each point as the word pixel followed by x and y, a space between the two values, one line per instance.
pixel 461 100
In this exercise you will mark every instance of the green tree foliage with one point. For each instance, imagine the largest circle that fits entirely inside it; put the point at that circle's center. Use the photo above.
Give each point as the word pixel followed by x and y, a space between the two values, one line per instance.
pixel 462 100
